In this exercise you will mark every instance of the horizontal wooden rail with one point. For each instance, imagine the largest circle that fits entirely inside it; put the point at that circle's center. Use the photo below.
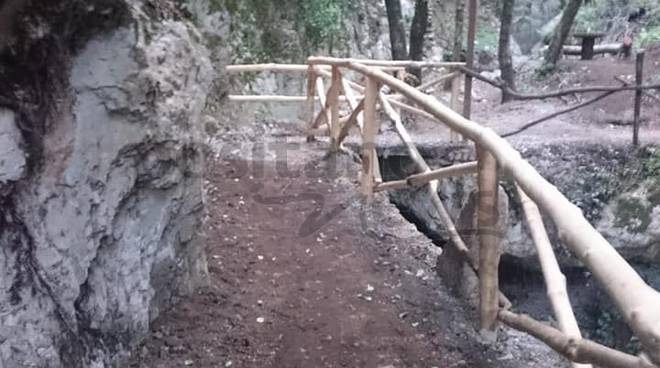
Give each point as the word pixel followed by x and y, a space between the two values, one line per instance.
pixel 445 172
pixel 425 177
pixel 564 92
pixel 283 98
pixel 438 80
pixel 272 98
pixel 400 63
pixel 296 68
pixel 267 68
pixel 574 349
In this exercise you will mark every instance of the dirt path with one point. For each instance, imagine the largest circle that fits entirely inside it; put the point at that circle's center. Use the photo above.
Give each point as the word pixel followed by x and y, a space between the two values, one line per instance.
pixel 301 276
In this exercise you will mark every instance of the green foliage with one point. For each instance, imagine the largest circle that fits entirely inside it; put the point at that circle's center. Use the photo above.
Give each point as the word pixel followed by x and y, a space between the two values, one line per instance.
pixel 321 20
pixel 652 165
pixel 604 327
pixel 612 15
pixel 649 36
pixel 263 31
pixel 487 37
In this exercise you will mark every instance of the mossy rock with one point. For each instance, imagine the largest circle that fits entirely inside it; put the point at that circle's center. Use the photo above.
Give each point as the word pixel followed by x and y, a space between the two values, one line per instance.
pixel 633 214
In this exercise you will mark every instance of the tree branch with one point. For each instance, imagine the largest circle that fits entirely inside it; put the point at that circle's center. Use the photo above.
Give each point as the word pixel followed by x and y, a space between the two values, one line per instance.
pixel 557 113
pixel 540 96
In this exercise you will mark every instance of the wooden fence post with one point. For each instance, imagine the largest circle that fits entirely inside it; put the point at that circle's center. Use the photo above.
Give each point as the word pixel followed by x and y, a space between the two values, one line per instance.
pixel 487 229
pixel 639 76
pixel 309 104
pixel 455 105
pixel 472 32
pixel 333 103
pixel 369 132
pixel 555 280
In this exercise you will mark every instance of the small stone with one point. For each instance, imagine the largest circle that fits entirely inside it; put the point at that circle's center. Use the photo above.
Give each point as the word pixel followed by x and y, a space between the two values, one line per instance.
pixel 228 364
pixel 261 320
pixel 188 362
pixel 370 288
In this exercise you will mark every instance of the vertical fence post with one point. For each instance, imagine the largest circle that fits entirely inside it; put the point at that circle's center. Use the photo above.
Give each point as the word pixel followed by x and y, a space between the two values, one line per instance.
pixel 455 104
pixel 469 59
pixel 639 77
pixel 487 229
pixel 309 104
pixel 369 132
pixel 333 103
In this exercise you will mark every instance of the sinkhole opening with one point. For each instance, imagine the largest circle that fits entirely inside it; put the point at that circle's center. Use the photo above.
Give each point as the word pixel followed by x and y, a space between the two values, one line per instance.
pixel 521 279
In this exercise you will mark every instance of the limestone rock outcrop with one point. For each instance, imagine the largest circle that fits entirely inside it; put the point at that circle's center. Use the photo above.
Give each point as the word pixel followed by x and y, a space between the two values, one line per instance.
pixel 100 176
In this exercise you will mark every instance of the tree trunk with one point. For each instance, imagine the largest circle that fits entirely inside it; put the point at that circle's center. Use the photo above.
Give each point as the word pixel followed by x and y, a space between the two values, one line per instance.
pixel 561 33
pixel 459 26
pixel 418 30
pixel 397 30
pixel 504 51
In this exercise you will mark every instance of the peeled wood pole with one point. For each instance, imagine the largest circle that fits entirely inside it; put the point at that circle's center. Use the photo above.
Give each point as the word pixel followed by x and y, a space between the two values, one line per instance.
pixel 354 118
pixel 489 248
pixel 445 172
pixel 455 104
pixel 438 80
pixel 423 167
pixel 266 68
pixel 324 113
pixel 472 33
pixel 575 349
pixel 356 114
pixel 309 104
pixel 555 280
pixel 638 302
pixel 639 76
pixel 333 104
pixel 369 132
pixel 424 178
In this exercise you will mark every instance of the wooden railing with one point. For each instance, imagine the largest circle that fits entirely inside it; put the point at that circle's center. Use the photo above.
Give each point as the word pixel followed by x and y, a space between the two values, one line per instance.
pixel 637 301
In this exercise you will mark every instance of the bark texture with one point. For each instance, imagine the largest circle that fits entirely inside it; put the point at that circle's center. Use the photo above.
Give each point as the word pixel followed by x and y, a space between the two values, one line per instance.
pixel 397 30
pixel 504 51
pixel 459 27
pixel 418 31
pixel 554 51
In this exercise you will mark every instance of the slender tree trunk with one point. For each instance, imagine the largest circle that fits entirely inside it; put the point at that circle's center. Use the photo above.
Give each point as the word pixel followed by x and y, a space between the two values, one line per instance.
pixel 504 51
pixel 397 30
pixel 459 27
pixel 561 33
pixel 420 24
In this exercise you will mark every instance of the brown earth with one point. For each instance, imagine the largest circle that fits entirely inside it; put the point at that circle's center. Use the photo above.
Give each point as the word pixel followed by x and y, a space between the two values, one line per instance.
pixel 302 274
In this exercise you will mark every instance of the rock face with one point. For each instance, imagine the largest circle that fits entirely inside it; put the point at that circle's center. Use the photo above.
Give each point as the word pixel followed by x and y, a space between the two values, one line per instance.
pixel 616 188
pixel 100 183
pixel 12 156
